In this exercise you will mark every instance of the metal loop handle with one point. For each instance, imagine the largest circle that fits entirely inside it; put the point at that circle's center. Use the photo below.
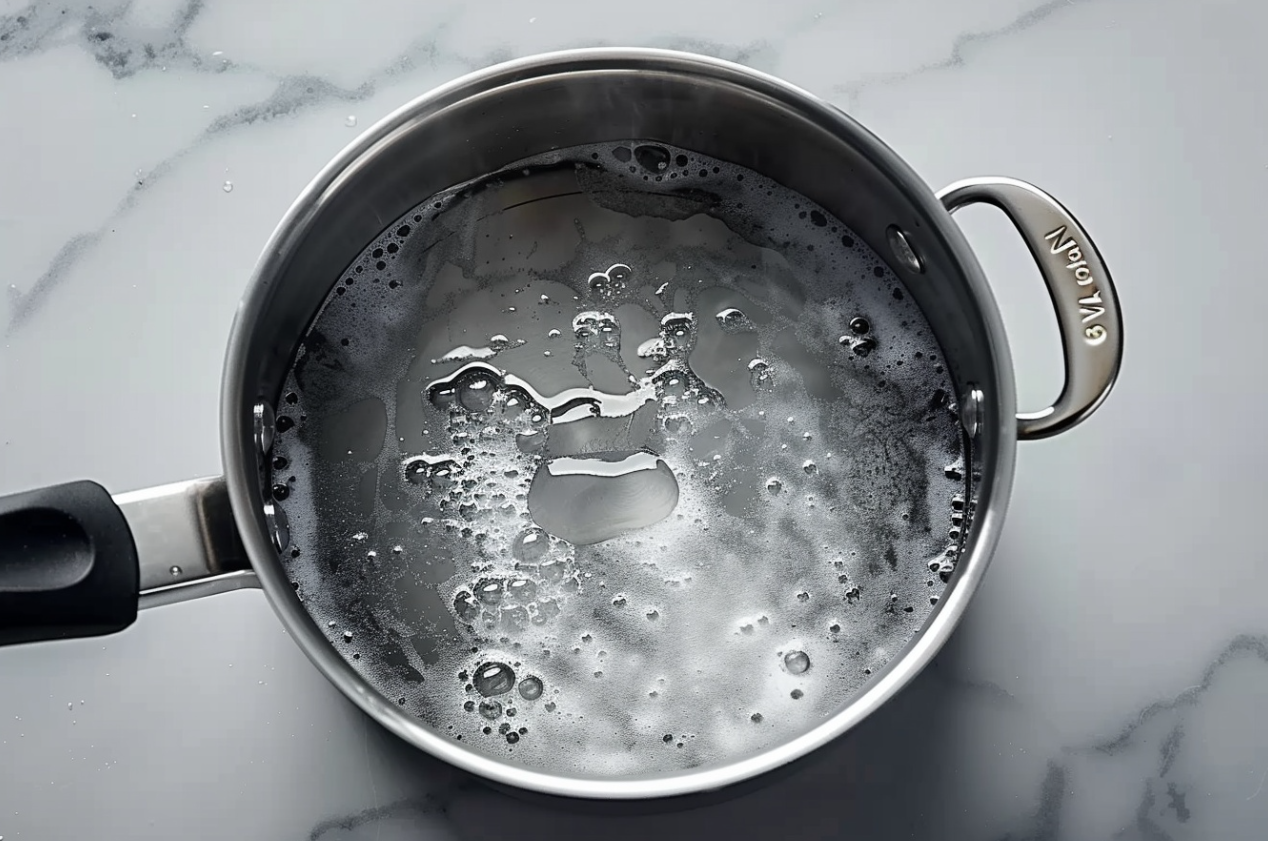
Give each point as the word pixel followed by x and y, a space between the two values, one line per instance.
pixel 1081 290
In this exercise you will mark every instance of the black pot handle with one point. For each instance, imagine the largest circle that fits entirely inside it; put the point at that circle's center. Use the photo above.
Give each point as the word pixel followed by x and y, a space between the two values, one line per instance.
pixel 68 564
pixel 76 562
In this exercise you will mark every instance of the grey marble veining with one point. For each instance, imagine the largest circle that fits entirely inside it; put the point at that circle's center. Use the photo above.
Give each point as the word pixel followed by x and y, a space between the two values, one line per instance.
pixel 1106 683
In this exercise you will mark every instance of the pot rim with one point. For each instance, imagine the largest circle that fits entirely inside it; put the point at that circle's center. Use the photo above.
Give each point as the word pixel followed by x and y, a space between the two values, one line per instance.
pixel 240 469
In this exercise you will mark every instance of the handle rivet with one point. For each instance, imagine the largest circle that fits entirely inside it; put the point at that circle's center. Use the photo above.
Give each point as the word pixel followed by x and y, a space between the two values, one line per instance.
pixel 971 410
pixel 904 251
pixel 263 418
pixel 279 528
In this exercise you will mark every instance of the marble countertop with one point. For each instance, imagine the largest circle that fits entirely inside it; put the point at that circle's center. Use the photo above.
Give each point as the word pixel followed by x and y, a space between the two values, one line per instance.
pixel 1107 683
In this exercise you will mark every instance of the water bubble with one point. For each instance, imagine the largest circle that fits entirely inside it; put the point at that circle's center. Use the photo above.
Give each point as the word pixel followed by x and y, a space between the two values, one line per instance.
pixel 174 570
pixel 756 718
pixel 597 331
pixel 653 615
pixel 531 441
pixel 531 545
pixel 530 688
pixel 774 486
pixel 546 610
pixel 490 590
pixel 860 326
pixel 678 424
pixel 228 187
pixel 521 590
pixel 809 467
pixel 512 737
pixel 760 376
pixel 796 662
pixel 347 636
pixel 678 333
pixel 350 121
pixel 493 679
pixel 514 618
pixel 652 158
pixel 863 347
pixel 466 607
pixel 796 694
pixel 490 709
pixel 611 281
pixel 733 320
pixel 476 391
pixel 652 349
pixel 438 472
pixel 552 334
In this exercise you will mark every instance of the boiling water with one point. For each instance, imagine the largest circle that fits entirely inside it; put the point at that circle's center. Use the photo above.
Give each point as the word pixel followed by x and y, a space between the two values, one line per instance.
pixel 620 462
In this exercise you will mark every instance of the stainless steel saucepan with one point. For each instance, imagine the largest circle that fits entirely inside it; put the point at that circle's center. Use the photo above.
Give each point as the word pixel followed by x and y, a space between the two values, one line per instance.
pixel 75 561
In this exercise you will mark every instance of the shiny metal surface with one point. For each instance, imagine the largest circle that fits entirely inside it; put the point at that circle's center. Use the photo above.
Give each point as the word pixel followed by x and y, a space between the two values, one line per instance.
pixel 1081 290
pixel 496 116
pixel 186 544
pixel 971 410
pixel 264 419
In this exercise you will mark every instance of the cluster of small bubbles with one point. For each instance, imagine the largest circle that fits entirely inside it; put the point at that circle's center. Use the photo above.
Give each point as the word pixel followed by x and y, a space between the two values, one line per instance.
pixel 611 282
pixel 760 376
pixel 678 424
pixel 733 320
pixel 436 472
pixel 861 346
pixel 597 332
pixel 678 334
